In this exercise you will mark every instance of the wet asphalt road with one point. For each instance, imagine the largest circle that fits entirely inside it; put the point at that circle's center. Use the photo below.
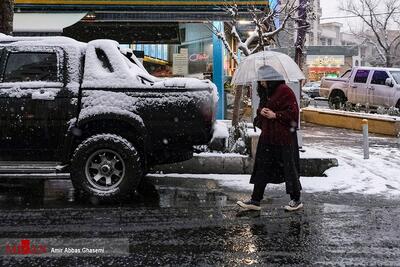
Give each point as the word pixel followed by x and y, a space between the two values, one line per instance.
pixel 193 222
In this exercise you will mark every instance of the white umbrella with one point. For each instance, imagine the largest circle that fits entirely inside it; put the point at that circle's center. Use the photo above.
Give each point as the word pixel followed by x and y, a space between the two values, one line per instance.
pixel 248 69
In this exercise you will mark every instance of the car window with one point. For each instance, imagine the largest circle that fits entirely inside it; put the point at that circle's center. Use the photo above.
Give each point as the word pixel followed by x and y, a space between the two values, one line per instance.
pixel 346 74
pixel 1 62
pixel 101 55
pixel 396 76
pixel 361 76
pixel 31 66
pixel 379 77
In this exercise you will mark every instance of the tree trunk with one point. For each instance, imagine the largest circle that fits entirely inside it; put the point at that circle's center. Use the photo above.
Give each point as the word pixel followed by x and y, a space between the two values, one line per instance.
pixel 236 105
pixel 388 56
pixel 301 34
pixel 6 16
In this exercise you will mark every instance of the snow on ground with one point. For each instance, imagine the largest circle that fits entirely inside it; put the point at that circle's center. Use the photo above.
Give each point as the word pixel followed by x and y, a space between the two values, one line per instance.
pixel 378 175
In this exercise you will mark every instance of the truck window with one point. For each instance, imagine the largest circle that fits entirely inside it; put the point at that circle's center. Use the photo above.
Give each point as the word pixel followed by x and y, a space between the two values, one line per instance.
pixel 361 76
pixel 101 55
pixel 347 74
pixel 1 62
pixel 31 66
pixel 396 76
pixel 379 77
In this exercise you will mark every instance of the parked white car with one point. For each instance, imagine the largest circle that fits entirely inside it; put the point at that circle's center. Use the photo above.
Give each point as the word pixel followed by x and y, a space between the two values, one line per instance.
pixel 364 85
pixel 311 89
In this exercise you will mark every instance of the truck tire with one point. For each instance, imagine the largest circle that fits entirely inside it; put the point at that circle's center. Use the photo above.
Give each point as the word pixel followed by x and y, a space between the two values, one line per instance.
pixel 336 99
pixel 106 166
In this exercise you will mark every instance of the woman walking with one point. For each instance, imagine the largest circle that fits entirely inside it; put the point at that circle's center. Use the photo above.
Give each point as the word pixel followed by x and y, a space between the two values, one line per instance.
pixel 277 156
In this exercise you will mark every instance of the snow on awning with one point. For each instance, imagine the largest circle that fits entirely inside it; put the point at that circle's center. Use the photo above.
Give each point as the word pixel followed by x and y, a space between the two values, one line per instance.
pixel 45 22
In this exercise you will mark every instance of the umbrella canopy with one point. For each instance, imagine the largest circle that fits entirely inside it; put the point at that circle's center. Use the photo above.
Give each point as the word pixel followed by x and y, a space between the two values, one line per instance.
pixel 281 66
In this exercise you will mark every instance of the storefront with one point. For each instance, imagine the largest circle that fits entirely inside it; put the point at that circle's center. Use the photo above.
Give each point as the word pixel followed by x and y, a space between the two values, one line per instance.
pixel 320 66
pixel 328 61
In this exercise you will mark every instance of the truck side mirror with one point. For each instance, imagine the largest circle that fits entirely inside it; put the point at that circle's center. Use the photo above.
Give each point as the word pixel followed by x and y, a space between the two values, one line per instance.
pixel 389 82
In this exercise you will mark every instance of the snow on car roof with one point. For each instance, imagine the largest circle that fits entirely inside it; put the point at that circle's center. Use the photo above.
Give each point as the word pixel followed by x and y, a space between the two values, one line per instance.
pixel 378 68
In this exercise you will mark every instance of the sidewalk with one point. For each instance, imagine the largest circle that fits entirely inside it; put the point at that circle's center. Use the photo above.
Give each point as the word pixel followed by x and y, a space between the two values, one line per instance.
pixel 378 175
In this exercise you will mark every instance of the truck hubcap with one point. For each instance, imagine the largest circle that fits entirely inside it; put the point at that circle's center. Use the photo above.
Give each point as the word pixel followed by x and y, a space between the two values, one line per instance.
pixel 105 169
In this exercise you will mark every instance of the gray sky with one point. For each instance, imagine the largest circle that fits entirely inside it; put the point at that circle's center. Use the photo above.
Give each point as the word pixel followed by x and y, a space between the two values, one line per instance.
pixel 330 8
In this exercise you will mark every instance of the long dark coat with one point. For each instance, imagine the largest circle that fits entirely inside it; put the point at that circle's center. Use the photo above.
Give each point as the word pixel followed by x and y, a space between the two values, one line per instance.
pixel 277 156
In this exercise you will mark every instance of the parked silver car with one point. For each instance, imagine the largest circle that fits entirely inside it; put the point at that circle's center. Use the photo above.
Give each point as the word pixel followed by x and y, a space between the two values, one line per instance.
pixel 364 85
pixel 311 89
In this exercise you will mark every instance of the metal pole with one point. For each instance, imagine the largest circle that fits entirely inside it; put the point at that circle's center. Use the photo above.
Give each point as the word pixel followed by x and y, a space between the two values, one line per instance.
pixel 218 68
pixel 365 138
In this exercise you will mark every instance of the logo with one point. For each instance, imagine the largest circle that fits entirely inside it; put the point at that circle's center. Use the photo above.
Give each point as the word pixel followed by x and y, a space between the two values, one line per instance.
pixel 25 247
pixel 198 57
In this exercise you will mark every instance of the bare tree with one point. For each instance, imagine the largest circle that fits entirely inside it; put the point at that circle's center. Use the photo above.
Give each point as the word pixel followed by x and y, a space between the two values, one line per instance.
pixel 6 16
pixel 380 18
pixel 303 25
pixel 264 33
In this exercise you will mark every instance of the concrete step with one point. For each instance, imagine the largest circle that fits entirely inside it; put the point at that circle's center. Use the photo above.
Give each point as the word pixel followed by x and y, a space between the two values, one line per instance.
pixel 221 164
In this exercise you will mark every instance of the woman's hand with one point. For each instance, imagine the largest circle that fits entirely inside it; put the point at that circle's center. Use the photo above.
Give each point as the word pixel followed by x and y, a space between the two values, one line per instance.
pixel 266 112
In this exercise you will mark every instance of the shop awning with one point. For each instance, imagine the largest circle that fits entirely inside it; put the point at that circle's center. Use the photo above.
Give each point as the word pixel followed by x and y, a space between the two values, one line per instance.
pixel 45 22
pixel 125 32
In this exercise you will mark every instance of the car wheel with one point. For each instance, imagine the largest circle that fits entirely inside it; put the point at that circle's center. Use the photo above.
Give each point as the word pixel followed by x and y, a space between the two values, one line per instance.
pixel 336 100
pixel 106 166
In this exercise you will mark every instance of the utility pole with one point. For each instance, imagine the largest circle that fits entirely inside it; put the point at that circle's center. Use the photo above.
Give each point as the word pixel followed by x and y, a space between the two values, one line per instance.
pixel 6 16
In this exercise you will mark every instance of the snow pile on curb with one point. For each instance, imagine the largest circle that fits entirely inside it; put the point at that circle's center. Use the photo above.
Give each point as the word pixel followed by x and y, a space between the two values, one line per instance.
pixel 220 131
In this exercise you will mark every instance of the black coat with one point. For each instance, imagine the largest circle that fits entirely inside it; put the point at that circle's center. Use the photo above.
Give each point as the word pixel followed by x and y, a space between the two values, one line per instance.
pixel 277 164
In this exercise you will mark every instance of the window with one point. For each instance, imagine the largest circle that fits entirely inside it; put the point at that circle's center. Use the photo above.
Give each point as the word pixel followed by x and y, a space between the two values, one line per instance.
pixel 379 77
pixel 329 41
pixel 396 76
pixel 32 66
pixel 347 74
pixel 361 76
pixel 101 55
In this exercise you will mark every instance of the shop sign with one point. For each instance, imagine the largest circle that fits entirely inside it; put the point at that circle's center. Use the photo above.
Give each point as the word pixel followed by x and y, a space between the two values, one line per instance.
pixel 325 60
pixel 198 57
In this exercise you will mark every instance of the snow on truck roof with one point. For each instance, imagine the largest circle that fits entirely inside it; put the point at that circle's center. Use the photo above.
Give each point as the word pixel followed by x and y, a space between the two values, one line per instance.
pixel 126 74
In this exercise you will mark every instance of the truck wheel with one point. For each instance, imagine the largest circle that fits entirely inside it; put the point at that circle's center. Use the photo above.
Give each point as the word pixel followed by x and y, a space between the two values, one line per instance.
pixel 106 166
pixel 336 99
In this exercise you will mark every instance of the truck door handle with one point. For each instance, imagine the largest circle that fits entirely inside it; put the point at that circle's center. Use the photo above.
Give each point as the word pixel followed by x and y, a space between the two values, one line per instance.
pixel 371 88
pixel 353 86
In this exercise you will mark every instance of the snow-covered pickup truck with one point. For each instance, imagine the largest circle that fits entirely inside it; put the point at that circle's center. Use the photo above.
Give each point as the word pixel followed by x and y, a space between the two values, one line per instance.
pixel 92 110
pixel 364 85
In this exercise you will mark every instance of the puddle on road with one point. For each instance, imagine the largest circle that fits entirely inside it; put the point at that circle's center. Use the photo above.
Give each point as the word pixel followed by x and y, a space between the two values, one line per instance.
pixel 334 208
pixel 161 192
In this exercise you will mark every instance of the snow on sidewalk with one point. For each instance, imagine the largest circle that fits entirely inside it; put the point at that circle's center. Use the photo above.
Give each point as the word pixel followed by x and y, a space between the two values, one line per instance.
pixel 378 175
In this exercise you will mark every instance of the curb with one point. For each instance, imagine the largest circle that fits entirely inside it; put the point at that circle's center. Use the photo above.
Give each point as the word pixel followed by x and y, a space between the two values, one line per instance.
pixel 239 165
pixel 386 125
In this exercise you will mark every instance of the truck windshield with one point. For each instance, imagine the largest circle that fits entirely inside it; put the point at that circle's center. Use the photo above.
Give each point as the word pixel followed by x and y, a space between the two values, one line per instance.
pixel 396 76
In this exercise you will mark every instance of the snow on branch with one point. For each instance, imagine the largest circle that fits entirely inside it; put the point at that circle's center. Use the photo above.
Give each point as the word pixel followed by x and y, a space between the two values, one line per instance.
pixel 381 19
pixel 263 32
